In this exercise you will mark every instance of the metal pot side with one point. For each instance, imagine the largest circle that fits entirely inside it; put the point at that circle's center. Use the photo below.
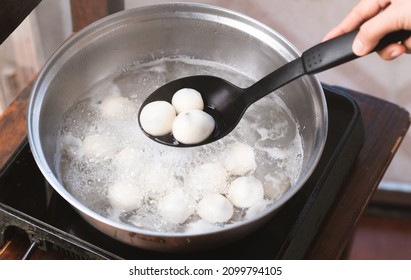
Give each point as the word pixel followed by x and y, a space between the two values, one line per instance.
pixel 169 30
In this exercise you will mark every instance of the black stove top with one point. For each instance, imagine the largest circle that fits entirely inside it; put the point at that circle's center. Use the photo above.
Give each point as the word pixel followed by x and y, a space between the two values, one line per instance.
pixel 27 202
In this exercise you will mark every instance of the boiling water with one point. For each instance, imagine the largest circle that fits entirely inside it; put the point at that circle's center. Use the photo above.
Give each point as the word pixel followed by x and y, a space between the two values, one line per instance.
pixel 97 150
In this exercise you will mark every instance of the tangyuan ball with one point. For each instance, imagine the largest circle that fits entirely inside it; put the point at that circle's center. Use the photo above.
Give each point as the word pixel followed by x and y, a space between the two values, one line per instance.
pixel 239 159
pixel 157 179
pixel 201 226
pixel 215 208
pixel 193 126
pixel 245 191
pixel 208 177
pixel 116 107
pixel 176 206
pixel 275 185
pixel 100 146
pixel 187 99
pixel 124 196
pixel 156 118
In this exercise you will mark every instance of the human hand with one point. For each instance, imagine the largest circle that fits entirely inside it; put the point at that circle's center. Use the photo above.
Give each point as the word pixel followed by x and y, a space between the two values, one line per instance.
pixel 376 18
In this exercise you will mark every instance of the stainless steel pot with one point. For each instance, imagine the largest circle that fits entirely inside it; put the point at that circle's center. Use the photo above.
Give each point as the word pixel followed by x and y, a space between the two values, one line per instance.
pixel 169 30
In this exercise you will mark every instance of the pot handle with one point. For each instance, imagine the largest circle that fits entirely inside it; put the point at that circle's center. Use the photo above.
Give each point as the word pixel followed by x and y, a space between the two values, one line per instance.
pixel 339 50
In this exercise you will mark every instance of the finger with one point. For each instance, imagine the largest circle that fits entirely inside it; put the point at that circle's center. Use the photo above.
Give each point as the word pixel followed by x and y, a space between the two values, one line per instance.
pixel 364 10
pixel 392 51
pixel 335 32
pixel 407 44
pixel 374 29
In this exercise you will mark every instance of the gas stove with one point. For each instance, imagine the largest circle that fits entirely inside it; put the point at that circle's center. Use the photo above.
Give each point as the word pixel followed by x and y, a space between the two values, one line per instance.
pixel 28 203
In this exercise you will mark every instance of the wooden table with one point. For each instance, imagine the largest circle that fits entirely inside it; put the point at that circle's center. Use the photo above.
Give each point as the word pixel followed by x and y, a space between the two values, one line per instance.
pixel 385 126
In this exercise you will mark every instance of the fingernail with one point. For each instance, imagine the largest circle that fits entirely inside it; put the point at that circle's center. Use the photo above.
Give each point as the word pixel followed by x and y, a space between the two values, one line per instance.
pixel 358 47
pixel 395 54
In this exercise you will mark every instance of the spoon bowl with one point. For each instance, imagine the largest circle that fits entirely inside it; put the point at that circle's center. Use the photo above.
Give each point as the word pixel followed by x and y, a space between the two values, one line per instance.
pixel 223 101
pixel 227 103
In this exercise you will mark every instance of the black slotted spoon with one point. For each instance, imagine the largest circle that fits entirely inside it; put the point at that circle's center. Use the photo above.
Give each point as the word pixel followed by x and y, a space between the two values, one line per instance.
pixel 227 103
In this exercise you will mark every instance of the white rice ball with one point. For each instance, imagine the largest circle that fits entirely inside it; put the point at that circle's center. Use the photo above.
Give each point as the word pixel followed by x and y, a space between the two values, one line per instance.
pixel 257 208
pixel 215 208
pixel 157 118
pixel 239 159
pixel 116 107
pixel 176 206
pixel 193 126
pixel 208 177
pixel 128 163
pixel 100 146
pixel 71 144
pixel 124 196
pixel 129 157
pixel 200 226
pixel 187 99
pixel 245 191
pixel 157 179
pixel 276 185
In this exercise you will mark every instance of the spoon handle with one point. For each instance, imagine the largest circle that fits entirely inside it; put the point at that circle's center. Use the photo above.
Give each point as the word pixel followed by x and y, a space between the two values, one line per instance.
pixel 339 50
pixel 321 57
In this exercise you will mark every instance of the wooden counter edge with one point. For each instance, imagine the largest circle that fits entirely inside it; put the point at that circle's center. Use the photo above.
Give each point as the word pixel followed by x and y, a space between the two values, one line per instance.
pixel 13 125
